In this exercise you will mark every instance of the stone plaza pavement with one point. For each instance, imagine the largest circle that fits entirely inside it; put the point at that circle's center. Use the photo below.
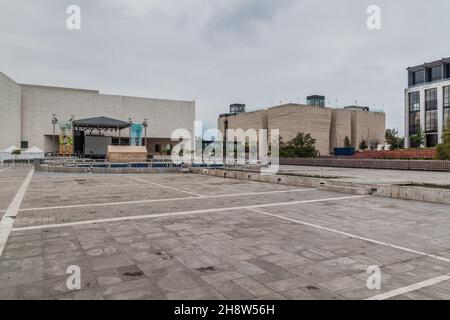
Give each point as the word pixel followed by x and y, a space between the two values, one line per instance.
pixel 186 236
pixel 371 175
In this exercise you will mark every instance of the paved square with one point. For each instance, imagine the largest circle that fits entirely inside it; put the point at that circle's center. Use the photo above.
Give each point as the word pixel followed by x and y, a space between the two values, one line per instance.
pixel 186 236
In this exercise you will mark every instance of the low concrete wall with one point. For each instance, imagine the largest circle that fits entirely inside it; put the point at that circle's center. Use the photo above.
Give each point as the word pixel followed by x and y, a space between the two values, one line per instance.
pixel 255 176
pixel 47 168
pixel 414 193
pixel 418 165
pixel 406 192
pixel 287 179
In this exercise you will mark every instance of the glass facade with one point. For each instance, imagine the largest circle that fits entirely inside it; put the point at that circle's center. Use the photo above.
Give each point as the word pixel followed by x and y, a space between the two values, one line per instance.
pixel 429 72
pixel 431 115
pixel 414 112
pixel 446 97
pixel 315 101
pixel 418 77
pixel 237 108
pixel 431 140
pixel 435 73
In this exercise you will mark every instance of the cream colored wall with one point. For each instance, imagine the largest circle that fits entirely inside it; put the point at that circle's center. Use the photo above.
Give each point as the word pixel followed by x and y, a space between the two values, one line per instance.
pixel 221 124
pixel 249 120
pixel 10 113
pixel 341 126
pixel 39 102
pixel 328 126
pixel 368 126
pixel 292 119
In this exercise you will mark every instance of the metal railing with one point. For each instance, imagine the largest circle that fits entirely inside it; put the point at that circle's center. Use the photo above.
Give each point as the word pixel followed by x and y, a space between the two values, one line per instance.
pixel 16 163
pixel 419 165
pixel 90 164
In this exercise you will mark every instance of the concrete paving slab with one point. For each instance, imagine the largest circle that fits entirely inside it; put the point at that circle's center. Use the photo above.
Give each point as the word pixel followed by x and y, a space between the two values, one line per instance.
pixel 216 254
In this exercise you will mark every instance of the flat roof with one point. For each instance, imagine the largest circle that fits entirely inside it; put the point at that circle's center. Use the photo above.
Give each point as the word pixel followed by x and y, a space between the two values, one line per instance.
pixel 429 64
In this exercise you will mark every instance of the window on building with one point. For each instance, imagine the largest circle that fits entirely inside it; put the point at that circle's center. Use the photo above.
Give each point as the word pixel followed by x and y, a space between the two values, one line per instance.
pixel 414 101
pixel 446 104
pixel 418 77
pixel 431 121
pixel 431 99
pixel 447 70
pixel 157 148
pixel 24 145
pixel 414 122
pixel 431 115
pixel 169 149
pixel 414 112
pixel 446 116
pixel 431 140
pixel 435 73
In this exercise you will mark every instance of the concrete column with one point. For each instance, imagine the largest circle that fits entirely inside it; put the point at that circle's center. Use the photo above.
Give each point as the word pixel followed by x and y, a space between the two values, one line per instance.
pixel 440 102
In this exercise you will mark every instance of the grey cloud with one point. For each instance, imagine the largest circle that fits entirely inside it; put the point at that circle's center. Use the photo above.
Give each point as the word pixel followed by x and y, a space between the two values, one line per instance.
pixel 224 51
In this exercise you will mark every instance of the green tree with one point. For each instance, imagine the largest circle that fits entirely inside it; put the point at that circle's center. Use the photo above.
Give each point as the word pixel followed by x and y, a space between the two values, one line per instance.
pixel 392 138
pixel 363 145
pixel 443 149
pixel 417 139
pixel 302 146
pixel 347 142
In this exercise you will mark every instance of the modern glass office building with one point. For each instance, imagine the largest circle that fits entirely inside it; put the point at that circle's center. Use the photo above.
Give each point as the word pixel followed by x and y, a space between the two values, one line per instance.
pixel 427 101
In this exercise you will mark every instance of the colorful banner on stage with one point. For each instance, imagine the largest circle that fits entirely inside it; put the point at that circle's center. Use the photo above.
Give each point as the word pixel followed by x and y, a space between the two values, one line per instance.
pixel 66 138
pixel 136 135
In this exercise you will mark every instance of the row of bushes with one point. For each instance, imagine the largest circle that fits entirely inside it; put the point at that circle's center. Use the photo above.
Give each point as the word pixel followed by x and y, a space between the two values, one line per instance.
pixel 420 154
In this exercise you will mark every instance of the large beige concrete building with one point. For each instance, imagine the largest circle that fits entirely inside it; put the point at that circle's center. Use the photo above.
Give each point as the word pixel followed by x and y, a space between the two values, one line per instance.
pixel 291 119
pixel 26 113
pixel 248 120
pixel 328 126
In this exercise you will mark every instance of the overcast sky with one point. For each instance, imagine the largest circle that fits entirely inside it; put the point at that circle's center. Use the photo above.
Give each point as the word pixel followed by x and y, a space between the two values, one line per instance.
pixel 258 52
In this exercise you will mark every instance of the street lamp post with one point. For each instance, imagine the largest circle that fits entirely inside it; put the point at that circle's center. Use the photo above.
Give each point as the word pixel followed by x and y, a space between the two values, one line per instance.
pixel 54 122
pixel 130 121
pixel 145 124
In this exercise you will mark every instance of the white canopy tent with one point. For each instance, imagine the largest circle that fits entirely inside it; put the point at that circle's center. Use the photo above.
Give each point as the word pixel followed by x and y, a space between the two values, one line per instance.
pixel 33 153
pixel 7 153
pixel 29 154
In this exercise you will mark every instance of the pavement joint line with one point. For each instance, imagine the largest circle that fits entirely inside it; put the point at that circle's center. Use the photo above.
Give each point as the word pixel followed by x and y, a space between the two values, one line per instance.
pixel 355 236
pixel 164 200
pixel 7 222
pixel 181 213
pixel 411 288
pixel 164 186
pixel 4 169
pixel 11 180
